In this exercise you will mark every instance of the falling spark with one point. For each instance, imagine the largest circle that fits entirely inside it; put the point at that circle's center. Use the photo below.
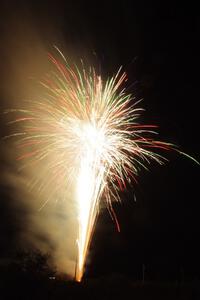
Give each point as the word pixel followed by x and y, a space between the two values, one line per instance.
pixel 85 132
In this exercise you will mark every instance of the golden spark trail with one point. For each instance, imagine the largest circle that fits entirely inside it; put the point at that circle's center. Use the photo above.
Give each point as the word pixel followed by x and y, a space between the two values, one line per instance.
pixel 89 189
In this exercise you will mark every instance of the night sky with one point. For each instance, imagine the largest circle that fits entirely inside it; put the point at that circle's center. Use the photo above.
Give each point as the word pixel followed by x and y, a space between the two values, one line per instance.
pixel 156 43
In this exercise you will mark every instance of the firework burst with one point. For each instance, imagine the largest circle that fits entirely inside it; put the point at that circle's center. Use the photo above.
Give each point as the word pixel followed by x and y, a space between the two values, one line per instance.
pixel 85 132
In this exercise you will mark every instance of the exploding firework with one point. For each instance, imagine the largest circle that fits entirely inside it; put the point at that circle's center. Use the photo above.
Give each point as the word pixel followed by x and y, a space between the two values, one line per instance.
pixel 85 133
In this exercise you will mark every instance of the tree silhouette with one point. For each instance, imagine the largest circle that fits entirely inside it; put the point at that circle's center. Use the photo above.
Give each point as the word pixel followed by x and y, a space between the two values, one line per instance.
pixel 34 263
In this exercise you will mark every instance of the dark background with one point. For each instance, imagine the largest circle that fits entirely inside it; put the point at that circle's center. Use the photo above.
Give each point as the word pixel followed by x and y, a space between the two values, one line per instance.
pixel 157 43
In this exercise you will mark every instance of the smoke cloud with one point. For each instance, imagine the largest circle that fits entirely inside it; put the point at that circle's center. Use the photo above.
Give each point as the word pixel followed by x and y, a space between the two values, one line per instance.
pixel 47 219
